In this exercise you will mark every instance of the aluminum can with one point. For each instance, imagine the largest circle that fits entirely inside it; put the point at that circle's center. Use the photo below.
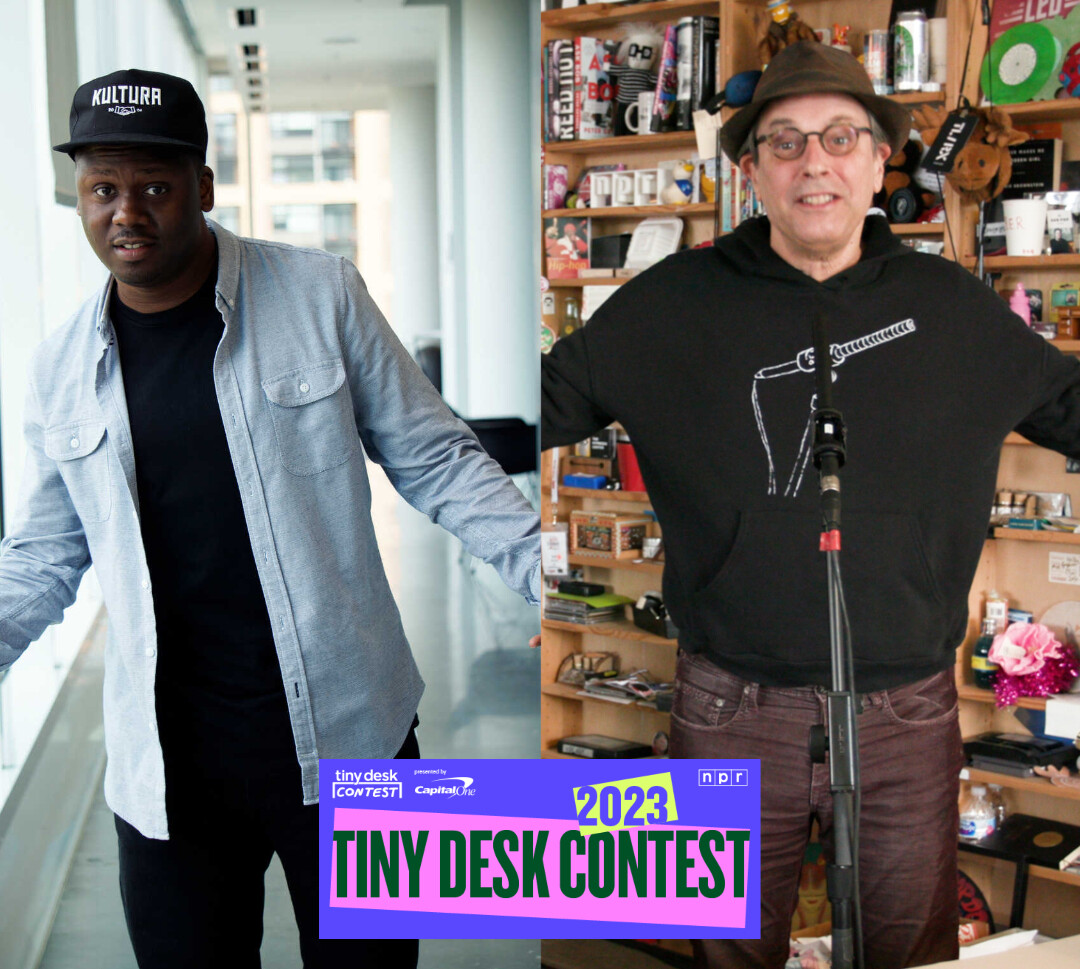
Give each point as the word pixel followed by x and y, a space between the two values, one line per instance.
pixel 911 46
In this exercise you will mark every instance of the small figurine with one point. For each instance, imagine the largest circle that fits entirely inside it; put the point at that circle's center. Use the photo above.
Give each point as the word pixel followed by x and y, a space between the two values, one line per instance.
pixel 785 28
pixel 633 70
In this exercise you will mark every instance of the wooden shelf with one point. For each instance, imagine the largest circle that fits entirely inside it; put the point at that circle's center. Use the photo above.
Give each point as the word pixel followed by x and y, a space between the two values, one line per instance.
pixel 610 14
pixel 627 143
pixel 919 97
pixel 1038 785
pixel 641 497
pixel 591 281
pixel 918 228
pixel 550 753
pixel 1030 112
pixel 1069 261
pixel 1053 875
pixel 565 692
pixel 1022 535
pixel 619 629
pixel 968 692
pixel 629 564
pixel 630 211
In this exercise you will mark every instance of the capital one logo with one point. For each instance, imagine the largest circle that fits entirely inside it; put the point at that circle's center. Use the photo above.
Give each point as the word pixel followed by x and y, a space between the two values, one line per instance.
pixel 449 787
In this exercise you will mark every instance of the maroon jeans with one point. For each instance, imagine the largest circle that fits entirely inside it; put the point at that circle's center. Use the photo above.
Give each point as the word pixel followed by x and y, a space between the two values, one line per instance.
pixel 911 755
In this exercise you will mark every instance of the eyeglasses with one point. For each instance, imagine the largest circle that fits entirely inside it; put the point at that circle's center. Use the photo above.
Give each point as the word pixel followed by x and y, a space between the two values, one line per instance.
pixel 789 143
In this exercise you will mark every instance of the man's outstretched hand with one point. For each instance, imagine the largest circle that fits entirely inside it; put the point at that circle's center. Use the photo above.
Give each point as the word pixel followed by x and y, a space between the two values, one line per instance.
pixel 534 642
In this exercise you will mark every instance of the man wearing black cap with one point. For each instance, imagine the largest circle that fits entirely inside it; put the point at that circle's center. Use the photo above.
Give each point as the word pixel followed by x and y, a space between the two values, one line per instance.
pixel 707 361
pixel 195 431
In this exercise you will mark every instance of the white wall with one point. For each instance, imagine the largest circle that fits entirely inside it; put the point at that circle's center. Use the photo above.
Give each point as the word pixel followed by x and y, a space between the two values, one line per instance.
pixel 490 347
pixel 414 235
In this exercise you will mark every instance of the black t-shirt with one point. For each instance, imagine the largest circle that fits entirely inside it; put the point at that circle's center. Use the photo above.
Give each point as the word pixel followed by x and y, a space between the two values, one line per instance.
pixel 220 697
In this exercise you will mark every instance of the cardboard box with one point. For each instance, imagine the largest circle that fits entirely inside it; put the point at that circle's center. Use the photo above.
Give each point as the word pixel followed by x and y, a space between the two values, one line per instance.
pixel 607 534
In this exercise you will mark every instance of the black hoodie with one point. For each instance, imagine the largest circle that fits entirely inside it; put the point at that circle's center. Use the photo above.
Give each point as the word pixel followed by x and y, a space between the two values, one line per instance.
pixel 699 359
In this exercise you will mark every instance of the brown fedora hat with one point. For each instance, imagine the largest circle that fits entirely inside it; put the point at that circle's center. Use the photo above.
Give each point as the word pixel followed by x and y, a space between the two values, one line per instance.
pixel 808 67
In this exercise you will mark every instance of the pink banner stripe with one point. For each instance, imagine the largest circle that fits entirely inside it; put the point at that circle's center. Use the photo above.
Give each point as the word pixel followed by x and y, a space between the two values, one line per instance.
pixel 726 911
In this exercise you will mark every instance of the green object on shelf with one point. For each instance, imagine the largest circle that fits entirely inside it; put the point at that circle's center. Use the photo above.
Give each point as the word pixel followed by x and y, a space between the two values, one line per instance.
pixel 597 602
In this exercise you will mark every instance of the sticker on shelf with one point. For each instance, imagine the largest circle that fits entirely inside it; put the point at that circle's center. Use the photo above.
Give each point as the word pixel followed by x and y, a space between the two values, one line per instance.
pixel 1065 568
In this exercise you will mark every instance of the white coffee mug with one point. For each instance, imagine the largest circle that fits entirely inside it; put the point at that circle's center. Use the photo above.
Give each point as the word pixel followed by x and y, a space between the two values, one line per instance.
pixel 639 113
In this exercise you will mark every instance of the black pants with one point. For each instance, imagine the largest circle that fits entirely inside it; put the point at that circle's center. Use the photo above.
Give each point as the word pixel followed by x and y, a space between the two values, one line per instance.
pixel 197 899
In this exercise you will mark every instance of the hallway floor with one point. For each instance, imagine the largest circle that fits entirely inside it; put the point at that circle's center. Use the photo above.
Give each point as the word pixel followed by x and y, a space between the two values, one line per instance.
pixel 469 635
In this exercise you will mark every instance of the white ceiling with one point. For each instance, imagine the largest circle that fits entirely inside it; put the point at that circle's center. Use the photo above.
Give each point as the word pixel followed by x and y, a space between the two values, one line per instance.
pixel 323 55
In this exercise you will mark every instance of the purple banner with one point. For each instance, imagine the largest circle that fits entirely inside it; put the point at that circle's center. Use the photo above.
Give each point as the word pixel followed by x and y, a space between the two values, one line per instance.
pixel 539 848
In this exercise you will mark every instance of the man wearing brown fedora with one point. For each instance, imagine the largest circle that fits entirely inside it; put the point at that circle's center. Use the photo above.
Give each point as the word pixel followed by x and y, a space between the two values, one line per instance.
pixel 707 362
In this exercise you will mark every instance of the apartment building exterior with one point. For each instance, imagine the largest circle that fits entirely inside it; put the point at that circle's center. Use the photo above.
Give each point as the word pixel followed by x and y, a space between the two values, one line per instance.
pixel 318 179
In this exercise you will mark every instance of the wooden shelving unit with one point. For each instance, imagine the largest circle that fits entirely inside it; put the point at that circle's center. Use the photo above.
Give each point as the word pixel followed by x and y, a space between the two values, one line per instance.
pixel 622 629
pixel 1038 785
pixel 1020 535
pixel 1013 562
pixel 633 211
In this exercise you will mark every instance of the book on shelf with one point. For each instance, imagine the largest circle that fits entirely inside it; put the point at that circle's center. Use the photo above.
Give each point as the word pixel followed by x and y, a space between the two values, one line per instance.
pixel 696 42
pixel 594 89
pixel 555 186
pixel 566 246
pixel 1036 168
pixel 561 90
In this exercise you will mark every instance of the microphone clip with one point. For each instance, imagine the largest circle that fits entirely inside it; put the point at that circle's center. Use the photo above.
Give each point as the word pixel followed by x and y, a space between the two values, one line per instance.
pixel 830 449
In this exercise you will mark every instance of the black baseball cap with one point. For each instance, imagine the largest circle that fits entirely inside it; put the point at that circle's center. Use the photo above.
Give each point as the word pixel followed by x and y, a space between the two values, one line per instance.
pixel 136 107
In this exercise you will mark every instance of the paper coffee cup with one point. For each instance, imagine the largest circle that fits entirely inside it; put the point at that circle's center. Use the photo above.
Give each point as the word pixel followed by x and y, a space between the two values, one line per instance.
pixel 939 46
pixel 1025 226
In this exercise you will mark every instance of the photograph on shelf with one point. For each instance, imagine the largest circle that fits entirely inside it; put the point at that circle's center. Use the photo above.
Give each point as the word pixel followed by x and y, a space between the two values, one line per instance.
pixel 566 246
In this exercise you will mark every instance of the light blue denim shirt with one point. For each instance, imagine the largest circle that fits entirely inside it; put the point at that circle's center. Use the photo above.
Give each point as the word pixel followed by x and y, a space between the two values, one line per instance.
pixel 306 361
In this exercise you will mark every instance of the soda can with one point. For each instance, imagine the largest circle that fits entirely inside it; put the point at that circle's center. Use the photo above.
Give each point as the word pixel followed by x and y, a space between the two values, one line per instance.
pixel 876 58
pixel 911 45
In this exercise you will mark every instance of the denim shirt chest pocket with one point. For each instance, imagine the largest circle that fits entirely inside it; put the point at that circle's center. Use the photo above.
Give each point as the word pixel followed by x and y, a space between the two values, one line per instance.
pixel 313 419
pixel 80 451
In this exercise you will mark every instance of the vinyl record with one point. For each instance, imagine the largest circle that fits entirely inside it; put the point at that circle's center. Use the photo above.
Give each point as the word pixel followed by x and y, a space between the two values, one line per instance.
pixel 1021 61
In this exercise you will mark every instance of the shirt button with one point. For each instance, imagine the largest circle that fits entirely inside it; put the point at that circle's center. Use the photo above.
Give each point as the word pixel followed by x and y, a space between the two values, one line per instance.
pixel 74 443
pixel 146 583
pixel 150 651
pixel 304 388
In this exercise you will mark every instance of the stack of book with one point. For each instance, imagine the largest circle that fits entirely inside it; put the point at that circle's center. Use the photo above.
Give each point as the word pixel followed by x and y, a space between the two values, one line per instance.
pixel 584 609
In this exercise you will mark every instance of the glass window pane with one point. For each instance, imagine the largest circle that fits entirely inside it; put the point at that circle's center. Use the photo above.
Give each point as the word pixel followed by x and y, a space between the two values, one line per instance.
pixel 292 168
pixel 296 219
pixel 337 168
pixel 292 124
pixel 339 221
pixel 228 216
pixel 224 139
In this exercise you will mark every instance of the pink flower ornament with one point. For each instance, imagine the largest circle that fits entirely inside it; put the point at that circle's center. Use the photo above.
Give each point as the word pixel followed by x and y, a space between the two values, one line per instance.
pixel 1024 648
pixel 1033 663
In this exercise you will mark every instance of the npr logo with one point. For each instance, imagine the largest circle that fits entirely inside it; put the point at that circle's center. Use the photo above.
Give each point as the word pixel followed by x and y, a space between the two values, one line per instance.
pixel 723 778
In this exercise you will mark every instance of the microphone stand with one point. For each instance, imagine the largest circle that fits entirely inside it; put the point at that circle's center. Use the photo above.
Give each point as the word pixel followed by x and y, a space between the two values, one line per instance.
pixel 840 735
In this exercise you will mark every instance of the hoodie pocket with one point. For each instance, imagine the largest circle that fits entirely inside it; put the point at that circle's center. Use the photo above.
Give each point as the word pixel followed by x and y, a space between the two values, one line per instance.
pixel 768 602
pixel 313 419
